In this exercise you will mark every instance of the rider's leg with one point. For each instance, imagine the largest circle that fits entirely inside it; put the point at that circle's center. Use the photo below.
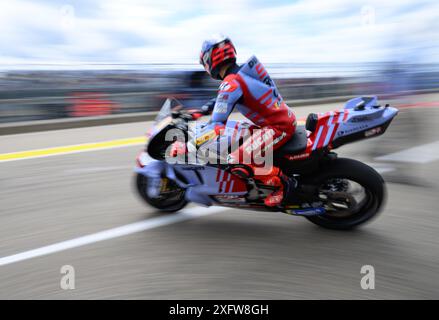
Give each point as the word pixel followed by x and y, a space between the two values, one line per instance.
pixel 283 184
pixel 268 175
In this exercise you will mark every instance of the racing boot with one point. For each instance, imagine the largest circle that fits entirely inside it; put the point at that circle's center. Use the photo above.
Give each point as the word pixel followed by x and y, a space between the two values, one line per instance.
pixel 284 184
pixel 246 174
pixel 275 198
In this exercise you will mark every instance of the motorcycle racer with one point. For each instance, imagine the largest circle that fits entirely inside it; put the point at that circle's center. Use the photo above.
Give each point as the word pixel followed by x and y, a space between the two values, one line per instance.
pixel 250 90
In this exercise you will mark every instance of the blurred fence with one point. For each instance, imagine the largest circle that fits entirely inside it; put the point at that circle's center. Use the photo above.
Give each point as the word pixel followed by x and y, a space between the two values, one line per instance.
pixel 51 94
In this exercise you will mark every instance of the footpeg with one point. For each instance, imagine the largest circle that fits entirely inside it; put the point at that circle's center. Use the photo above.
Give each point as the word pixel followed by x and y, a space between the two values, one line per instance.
pixel 253 193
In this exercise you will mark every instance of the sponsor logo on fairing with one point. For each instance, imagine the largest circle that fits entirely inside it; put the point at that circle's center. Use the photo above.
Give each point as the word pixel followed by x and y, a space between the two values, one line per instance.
pixel 252 62
pixel 361 118
pixel 193 167
pixel 372 132
pixel 353 130
pixel 206 137
pixel 298 156
pixel 230 199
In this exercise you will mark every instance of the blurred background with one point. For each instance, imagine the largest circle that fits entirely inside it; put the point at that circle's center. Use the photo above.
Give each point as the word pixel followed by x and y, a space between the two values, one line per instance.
pixel 90 58
pixel 63 63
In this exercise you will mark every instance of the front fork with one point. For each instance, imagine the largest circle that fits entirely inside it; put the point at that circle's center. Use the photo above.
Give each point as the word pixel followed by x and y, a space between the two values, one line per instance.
pixel 158 173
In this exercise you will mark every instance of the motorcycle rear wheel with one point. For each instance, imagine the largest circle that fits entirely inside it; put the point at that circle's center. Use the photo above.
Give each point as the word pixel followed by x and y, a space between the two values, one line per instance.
pixel 343 211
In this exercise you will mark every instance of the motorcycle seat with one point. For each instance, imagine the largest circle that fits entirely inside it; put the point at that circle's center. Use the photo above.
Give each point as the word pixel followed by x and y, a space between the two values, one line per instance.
pixel 296 144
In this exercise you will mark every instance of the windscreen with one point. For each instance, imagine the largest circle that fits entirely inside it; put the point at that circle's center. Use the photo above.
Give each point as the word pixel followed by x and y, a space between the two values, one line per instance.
pixel 170 105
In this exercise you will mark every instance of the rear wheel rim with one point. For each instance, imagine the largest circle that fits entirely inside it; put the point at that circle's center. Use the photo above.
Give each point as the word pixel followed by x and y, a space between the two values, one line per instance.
pixel 344 198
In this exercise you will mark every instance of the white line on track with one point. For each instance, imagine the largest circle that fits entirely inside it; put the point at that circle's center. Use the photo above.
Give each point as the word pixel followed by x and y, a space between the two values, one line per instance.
pixel 384 170
pixel 185 214
pixel 422 154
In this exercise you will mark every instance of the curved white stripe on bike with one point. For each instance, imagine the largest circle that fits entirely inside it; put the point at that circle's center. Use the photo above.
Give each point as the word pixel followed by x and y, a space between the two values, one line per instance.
pixel 341 116
pixel 329 134
pixel 316 141
pixel 221 176
pixel 185 214
pixel 231 186
pixel 329 131
pixel 330 119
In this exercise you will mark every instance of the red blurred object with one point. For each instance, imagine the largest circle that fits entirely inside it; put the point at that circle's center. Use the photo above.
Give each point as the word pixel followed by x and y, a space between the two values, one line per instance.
pixel 219 128
pixel 196 115
pixel 87 104
pixel 178 148
pixel 138 162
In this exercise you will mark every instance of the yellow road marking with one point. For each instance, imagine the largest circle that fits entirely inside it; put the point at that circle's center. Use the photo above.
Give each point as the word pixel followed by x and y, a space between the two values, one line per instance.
pixel 38 153
pixel 72 149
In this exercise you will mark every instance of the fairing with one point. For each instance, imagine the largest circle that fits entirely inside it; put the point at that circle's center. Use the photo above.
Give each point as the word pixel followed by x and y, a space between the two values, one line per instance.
pixel 206 184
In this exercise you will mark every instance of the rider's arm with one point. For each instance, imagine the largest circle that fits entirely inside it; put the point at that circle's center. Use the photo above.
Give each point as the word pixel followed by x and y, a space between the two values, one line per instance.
pixel 229 94
pixel 207 108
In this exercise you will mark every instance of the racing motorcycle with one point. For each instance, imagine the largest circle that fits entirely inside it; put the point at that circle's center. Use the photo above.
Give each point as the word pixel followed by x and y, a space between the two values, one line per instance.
pixel 332 192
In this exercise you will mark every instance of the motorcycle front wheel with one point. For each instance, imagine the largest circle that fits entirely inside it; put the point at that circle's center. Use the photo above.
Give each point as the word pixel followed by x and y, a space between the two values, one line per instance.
pixel 170 199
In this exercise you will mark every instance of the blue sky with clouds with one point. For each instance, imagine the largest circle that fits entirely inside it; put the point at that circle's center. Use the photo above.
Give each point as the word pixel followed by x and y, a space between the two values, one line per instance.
pixel 171 31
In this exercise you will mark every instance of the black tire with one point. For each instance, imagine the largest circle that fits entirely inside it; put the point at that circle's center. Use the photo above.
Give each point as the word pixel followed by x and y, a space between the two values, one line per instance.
pixel 162 204
pixel 365 176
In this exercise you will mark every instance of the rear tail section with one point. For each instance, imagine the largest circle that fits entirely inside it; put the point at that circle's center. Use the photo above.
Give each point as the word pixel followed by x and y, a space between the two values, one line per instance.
pixel 361 118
